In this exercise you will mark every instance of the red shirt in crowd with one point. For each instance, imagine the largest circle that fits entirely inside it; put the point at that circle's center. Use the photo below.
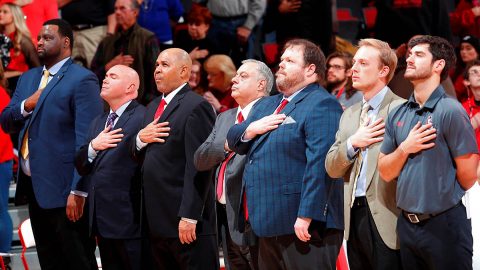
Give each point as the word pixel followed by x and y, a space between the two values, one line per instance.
pixel 472 109
pixel 17 59
pixel 6 146
pixel 225 99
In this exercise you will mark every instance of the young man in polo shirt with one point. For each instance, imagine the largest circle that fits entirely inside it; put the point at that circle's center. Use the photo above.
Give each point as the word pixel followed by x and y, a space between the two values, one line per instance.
pixel 429 144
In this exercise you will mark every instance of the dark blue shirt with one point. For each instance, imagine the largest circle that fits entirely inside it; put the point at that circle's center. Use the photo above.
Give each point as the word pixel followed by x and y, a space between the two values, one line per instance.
pixel 427 183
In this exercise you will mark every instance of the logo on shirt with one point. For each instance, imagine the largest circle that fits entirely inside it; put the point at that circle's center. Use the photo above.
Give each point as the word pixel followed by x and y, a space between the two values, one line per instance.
pixel 399 124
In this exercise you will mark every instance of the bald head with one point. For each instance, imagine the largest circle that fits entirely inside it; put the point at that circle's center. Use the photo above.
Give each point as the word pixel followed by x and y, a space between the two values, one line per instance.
pixel 173 69
pixel 120 85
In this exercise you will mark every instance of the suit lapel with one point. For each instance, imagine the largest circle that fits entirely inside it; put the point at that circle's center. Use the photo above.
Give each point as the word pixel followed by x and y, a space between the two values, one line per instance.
pixel 374 150
pixel 53 82
pixel 177 99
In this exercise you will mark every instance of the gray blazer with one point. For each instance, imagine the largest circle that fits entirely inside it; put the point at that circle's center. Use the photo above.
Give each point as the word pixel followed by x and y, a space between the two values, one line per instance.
pixel 381 196
pixel 210 155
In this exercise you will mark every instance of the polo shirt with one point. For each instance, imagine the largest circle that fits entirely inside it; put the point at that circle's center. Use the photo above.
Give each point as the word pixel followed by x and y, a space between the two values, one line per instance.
pixel 427 184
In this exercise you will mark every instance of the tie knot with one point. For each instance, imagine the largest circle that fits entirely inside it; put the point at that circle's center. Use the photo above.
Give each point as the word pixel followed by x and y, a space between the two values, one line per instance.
pixel 46 73
pixel 240 118
pixel 111 119
pixel 281 106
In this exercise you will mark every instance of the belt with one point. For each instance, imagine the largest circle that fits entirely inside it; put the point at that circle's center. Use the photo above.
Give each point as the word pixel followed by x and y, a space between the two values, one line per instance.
pixel 417 218
pixel 80 27
pixel 360 202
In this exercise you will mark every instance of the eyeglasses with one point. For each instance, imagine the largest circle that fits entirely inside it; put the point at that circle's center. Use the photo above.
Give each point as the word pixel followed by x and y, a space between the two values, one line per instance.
pixel 336 67
pixel 474 72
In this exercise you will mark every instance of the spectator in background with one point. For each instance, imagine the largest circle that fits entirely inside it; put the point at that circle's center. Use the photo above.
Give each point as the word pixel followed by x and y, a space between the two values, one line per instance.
pixel 6 174
pixel 157 15
pixel 196 40
pixel 469 51
pixel 465 20
pixel 132 46
pixel 36 12
pixel 472 104
pixel 91 20
pixel 23 54
pixel 233 24
pixel 339 79
pixel 220 72
pixel 196 80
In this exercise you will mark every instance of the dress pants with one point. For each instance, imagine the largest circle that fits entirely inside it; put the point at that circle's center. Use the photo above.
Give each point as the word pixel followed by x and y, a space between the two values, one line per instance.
pixel 120 254
pixel 169 253
pixel 287 252
pixel 60 243
pixel 236 257
pixel 365 247
pixel 443 242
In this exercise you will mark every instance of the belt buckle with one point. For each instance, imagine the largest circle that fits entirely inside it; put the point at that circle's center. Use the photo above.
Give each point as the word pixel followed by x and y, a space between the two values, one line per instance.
pixel 413 218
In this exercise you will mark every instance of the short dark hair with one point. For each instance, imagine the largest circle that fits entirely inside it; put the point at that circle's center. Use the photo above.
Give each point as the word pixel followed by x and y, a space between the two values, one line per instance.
pixel 64 29
pixel 440 48
pixel 312 54
pixel 474 63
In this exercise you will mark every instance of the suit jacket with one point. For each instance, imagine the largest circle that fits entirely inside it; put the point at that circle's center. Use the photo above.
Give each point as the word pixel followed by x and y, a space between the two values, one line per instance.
pixel 172 187
pixel 285 175
pixel 380 194
pixel 209 156
pixel 114 178
pixel 57 128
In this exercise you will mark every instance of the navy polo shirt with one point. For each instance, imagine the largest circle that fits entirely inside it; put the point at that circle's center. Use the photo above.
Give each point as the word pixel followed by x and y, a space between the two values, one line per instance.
pixel 427 184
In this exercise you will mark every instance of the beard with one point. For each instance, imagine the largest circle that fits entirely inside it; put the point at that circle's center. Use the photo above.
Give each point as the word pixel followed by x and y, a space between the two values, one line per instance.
pixel 333 84
pixel 287 82
pixel 417 74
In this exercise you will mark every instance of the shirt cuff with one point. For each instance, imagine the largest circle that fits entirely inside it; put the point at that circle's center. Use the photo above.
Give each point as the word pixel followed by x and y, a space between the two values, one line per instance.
pixel 139 143
pixel 243 138
pixel 351 152
pixel 22 109
pixel 193 221
pixel 79 193
pixel 92 154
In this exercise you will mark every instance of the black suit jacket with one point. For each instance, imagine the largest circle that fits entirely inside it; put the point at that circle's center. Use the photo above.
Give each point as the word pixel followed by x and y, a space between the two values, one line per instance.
pixel 173 188
pixel 114 178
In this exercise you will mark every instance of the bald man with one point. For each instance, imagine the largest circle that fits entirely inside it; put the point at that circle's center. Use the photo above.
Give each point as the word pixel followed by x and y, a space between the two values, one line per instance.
pixel 179 200
pixel 113 173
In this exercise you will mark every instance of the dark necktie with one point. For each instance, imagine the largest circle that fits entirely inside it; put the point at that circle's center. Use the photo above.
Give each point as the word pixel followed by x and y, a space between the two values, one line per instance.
pixel 160 109
pixel 111 119
pixel 223 166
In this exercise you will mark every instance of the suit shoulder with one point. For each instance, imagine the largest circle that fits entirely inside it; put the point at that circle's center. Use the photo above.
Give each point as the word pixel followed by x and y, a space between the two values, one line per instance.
pixel 80 71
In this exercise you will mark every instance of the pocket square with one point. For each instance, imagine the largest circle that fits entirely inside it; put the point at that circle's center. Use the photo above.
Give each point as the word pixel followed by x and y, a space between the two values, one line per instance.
pixel 289 120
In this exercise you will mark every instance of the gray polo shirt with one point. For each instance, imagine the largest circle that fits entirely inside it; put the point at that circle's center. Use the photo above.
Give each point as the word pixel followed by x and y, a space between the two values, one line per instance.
pixel 427 183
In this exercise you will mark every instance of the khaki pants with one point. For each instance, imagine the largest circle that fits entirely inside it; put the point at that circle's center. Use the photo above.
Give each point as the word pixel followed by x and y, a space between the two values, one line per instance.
pixel 86 43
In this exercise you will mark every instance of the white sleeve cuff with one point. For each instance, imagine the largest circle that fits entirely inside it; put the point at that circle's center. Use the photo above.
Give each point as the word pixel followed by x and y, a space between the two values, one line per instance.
pixel 22 109
pixel 92 154
pixel 139 143
pixel 193 221
pixel 351 152
pixel 79 193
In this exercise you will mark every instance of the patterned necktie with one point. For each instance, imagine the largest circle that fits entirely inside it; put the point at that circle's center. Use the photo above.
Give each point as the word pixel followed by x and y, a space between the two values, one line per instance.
pixel 111 119
pixel 24 149
pixel 281 106
pixel 160 109
pixel 223 166
pixel 358 162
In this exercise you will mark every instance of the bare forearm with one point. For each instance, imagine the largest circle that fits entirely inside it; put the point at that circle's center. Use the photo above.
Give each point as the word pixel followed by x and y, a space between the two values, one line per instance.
pixel 62 3
pixel 466 170
pixel 389 166
pixel 111 23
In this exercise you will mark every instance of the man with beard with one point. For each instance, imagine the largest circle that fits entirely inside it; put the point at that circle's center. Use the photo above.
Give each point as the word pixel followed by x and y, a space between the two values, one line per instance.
pixel 52 108
pixel 429 144
pixel 294 207
pixel 339 82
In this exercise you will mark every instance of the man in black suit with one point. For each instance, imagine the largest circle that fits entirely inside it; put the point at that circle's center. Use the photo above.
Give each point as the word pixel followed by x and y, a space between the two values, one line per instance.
pixel 113 173
pixel 179 200
pixel 253 81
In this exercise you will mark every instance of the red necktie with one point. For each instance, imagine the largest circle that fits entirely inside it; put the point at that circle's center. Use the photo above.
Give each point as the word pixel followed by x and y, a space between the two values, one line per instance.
pixel 281 106
pixel 223 166
pixel 160 109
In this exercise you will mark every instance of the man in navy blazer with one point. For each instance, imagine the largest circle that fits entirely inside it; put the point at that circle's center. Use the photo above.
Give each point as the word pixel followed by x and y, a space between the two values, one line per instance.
pixel 114 174
pixel 53 121
pixel 294 207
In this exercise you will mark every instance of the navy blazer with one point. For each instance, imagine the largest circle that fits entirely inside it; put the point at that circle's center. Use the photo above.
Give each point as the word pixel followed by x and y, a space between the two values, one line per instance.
pixel 57 128
pixel 172 187
pixel 114 178
pixel 285 174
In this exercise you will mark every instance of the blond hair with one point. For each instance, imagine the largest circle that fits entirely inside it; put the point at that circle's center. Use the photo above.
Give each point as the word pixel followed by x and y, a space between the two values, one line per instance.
pixel 386 54
pixel 222 63
pixel 21 29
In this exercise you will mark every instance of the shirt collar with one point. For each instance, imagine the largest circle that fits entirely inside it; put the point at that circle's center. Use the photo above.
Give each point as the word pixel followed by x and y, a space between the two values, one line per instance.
pixel 436 95
pixel 245 111
pixel 122 108
pixel 172 94
pixel 376 100
pixel 55 68
pixel 290 98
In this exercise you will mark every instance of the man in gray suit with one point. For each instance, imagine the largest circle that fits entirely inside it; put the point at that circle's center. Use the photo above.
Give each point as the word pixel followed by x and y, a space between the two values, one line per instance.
pixel 253 81
pixel 370 208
